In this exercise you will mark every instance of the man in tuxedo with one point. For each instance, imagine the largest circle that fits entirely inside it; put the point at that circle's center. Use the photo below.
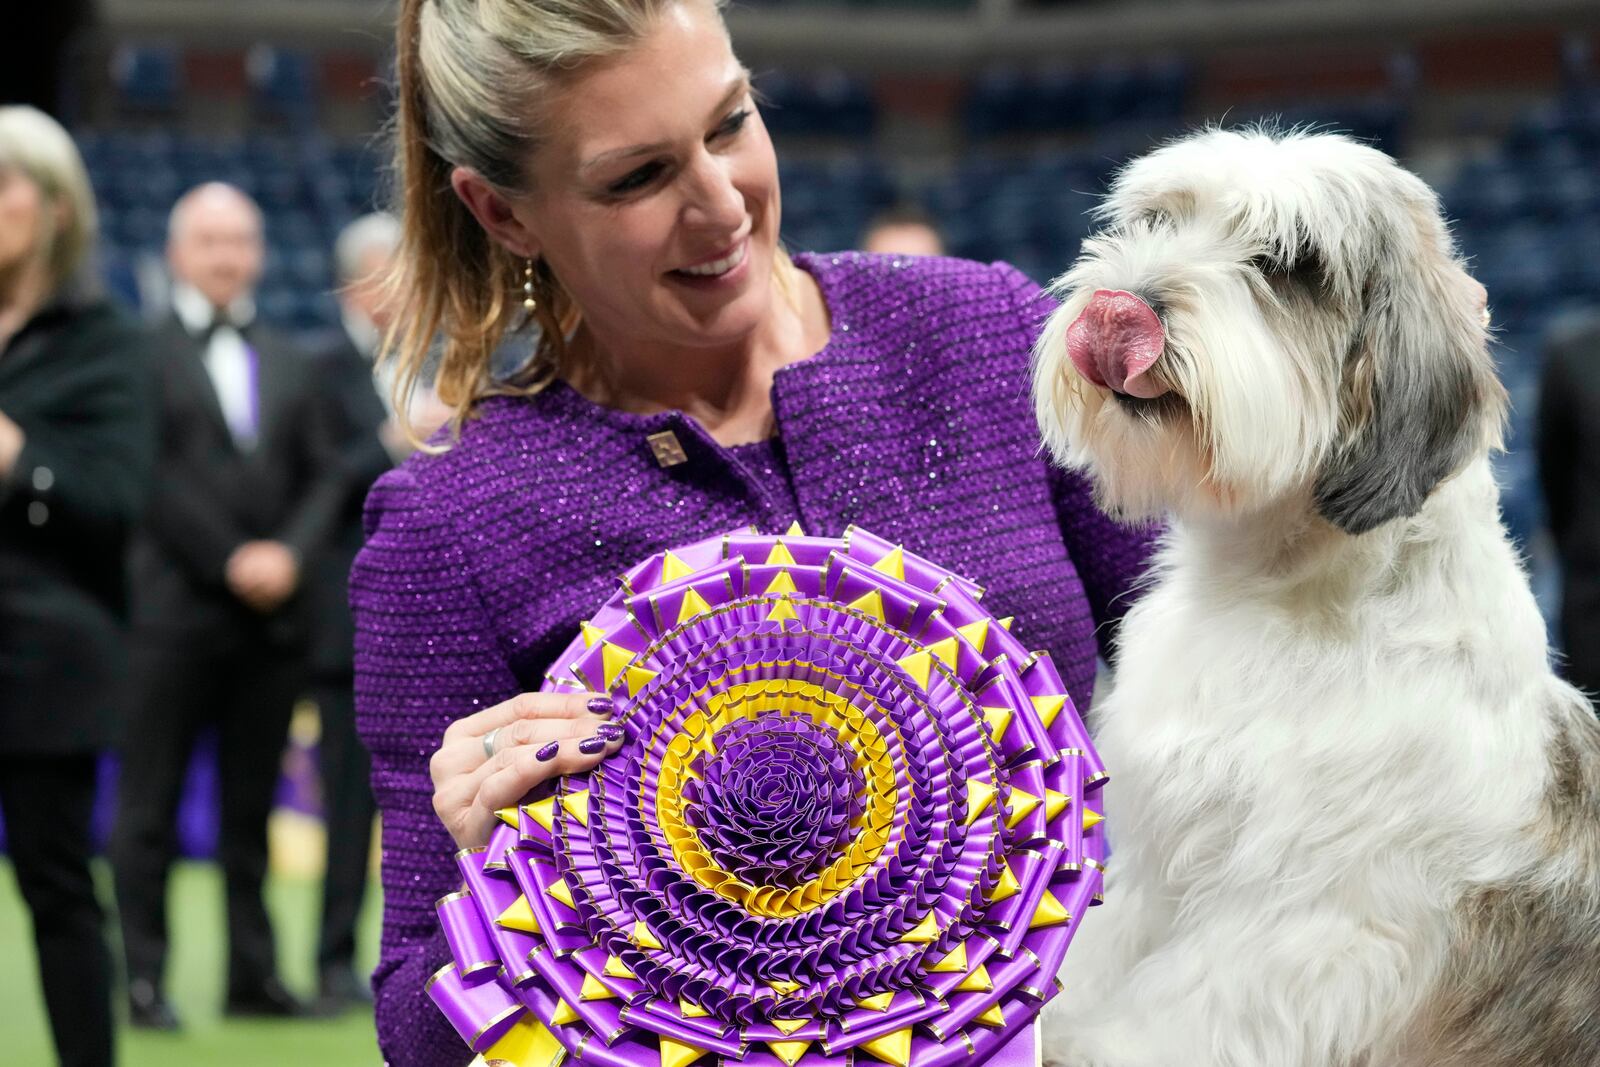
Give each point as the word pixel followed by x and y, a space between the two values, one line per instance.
pixel 247 487
pixel 1569 467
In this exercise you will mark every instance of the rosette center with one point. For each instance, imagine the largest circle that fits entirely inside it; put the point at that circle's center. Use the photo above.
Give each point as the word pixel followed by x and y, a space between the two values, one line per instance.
pixel 776 799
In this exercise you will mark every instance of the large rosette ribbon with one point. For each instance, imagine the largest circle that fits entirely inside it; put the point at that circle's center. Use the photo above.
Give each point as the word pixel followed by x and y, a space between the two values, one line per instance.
pixel 854 820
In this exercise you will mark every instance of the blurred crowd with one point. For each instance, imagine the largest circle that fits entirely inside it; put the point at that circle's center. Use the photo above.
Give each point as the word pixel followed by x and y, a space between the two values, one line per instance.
pixel 179 507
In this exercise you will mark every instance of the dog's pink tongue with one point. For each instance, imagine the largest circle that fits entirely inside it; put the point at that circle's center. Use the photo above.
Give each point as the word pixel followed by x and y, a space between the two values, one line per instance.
pixel 1116 339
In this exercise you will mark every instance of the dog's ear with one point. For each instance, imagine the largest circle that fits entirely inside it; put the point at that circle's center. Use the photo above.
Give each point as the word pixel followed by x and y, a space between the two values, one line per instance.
pixel 1419 395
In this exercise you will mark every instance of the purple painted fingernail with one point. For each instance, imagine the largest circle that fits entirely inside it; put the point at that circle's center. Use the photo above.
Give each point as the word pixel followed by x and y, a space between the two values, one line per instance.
pixel 610 731
pixel 548 751
pixel 601 706
pixel 592 746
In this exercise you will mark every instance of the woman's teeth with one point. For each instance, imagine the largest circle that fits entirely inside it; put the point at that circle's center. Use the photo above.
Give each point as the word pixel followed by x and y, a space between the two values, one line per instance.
pixel 720 266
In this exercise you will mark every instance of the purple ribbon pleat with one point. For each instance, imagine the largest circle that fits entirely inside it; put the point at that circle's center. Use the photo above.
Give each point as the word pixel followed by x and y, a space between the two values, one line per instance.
pixel 480 1013
pixel 467 934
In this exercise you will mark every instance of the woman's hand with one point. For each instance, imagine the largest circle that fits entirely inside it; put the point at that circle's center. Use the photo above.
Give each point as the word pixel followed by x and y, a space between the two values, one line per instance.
pixel 534 737
pixel 11 441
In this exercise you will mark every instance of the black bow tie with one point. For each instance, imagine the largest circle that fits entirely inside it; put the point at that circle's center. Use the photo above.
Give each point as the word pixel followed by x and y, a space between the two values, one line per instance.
pixel 218 321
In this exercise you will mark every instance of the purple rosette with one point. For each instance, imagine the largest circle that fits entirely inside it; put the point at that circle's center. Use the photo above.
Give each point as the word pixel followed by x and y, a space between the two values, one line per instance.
pixel 854 819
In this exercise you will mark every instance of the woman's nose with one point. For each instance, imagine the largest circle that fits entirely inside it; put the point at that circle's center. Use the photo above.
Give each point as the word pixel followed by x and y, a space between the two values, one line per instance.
pixel 714 200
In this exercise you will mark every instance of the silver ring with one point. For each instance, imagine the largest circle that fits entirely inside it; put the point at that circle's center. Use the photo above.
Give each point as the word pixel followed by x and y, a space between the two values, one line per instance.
pixel 488 741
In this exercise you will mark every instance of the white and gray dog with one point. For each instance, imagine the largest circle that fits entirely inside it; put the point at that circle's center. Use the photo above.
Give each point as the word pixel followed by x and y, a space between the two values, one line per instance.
pixel 1357 818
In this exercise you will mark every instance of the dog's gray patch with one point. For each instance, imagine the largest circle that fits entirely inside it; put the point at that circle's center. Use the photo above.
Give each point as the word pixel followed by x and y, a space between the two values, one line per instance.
pixel 1419 431
pixel 1522 980
pixel 1420 393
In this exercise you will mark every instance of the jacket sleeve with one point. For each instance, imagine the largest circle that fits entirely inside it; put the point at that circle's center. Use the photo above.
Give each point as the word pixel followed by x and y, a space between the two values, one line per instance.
pixel 1111 557
pixel 424 657
pixel 89 463
pixel 183 516
pixel 362 455
pixel 325 476
pixel 194 531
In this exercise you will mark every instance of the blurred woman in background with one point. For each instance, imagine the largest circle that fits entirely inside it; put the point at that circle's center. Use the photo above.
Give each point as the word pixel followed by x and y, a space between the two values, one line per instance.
pixel 76 447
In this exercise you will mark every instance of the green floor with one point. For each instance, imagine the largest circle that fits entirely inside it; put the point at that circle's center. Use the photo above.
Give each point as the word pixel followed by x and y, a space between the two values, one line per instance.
pixel 194 985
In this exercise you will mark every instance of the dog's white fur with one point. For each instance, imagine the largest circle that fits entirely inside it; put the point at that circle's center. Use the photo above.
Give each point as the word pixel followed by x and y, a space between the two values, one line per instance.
pixel 1341 768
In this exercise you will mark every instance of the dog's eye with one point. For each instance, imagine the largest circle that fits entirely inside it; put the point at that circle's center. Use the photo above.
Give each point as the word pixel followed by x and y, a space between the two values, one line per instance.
pixel 1155 219
pixel 1307 268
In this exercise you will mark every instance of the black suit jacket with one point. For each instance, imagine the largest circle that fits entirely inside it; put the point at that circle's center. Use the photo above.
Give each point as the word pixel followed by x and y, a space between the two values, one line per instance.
pixel 1569 467
pixel 76 379
pixel 355 414
pixel 211 496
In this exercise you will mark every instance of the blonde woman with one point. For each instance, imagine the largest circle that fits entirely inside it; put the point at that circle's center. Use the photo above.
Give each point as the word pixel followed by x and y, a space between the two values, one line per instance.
pixel 77 436
pixel 601 169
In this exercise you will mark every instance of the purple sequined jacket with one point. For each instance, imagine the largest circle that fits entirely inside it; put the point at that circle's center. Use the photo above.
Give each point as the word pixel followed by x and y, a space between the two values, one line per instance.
pixel 914 422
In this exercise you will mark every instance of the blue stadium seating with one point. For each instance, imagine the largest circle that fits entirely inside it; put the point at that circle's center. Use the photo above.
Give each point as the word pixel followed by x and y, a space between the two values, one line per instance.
pixel 148 78
pixel 1526 212
pixel 283 84
pixel 826 104
pixel 1005 101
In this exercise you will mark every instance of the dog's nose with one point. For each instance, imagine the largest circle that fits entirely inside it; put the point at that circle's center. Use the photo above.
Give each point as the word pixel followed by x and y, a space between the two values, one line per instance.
pixel 1115 341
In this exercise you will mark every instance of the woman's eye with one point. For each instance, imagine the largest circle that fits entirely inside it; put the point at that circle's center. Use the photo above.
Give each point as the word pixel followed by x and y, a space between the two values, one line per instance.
pixel 636 179
pixel 641 177
pixel 733 123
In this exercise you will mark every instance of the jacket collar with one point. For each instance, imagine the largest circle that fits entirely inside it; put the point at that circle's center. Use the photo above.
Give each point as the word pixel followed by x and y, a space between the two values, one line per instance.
pixel 196 314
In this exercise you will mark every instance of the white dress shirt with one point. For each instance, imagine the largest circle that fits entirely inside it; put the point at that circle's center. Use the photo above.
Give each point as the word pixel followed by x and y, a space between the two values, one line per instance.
pixel 228 360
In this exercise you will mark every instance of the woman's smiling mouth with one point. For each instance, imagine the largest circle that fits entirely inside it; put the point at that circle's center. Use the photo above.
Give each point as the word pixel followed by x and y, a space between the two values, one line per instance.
pixel 718 267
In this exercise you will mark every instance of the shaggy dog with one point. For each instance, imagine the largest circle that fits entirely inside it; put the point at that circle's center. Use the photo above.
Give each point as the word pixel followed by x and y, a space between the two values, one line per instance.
pixel 1357 818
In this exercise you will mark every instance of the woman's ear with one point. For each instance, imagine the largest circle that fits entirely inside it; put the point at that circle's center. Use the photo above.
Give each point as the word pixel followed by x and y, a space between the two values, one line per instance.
pixel 494 213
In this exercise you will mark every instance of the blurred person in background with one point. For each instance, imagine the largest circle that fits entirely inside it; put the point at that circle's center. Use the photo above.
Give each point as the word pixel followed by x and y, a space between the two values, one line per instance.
pixel 247 486
pixel 77 439
pixel 1569 469
pixel 905 230
pixel 371 440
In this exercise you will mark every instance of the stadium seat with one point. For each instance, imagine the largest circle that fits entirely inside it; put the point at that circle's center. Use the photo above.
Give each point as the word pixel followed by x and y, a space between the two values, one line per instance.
pixel 147 77
pixel 283 83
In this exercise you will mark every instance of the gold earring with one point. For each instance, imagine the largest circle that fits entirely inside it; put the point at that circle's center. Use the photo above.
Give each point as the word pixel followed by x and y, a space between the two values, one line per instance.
pixel 529 304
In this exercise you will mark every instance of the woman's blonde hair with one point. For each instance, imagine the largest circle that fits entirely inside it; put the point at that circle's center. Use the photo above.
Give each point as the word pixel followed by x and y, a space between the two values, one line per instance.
pixel 35 145
pixel 473 75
